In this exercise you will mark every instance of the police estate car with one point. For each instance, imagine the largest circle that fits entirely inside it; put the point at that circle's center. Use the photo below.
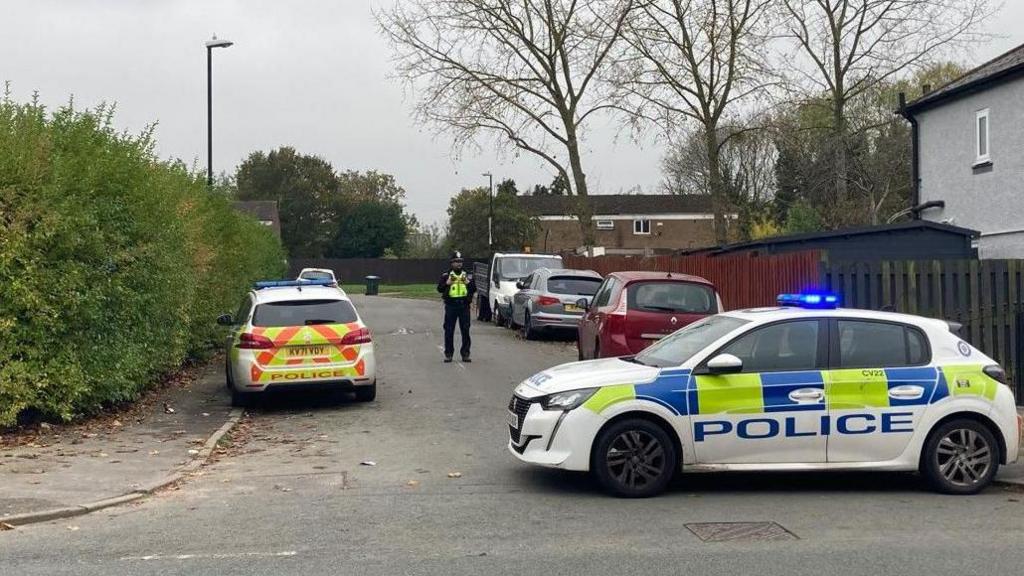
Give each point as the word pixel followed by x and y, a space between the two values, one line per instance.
pixel 298 332
pixel 802 386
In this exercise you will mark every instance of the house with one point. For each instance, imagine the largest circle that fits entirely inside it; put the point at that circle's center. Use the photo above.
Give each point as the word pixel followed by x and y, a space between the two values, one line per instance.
pixel 912 240
pixel 264 211
pixel 640 224
pixel 969 154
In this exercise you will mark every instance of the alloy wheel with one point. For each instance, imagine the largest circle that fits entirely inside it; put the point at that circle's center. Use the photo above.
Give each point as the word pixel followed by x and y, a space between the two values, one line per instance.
pixel 964 457
pixel 636 459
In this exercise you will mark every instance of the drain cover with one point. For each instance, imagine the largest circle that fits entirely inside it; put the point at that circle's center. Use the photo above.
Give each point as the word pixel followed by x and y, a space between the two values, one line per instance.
pixel 739 531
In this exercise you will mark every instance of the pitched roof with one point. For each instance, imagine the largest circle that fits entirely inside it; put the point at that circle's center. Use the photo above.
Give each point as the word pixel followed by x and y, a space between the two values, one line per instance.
pixel 258 209
pixel 1005 65
pixel 611 204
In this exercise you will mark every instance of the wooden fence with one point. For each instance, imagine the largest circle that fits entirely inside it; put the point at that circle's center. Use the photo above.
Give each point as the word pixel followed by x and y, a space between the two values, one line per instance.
pixel 743 281
pixel 985 296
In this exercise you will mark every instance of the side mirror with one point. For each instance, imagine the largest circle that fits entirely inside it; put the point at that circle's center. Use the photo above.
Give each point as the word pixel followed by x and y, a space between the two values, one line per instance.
pixel 583 303
pixel 724 364
pixel 225 320
pixel 520 285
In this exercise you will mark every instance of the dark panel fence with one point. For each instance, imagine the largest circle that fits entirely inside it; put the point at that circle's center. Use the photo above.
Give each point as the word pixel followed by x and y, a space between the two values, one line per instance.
pixel 985 296
pixel 743 281
pixel 391 271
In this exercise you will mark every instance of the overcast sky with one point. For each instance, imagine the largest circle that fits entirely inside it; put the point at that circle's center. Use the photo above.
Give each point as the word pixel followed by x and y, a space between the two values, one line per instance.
pixel 313 74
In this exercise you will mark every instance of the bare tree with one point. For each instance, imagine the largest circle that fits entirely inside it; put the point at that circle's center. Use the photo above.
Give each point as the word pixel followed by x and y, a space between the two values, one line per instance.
pixel 697 62
pixel 853 46
pixel 522 71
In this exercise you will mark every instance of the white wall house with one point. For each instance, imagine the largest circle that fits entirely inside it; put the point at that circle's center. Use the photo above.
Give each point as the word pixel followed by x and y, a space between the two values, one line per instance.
pixel 970 154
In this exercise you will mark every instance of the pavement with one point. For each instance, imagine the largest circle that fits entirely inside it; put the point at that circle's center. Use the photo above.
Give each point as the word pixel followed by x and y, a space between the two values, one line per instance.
pixel 63 471
pixel 421 482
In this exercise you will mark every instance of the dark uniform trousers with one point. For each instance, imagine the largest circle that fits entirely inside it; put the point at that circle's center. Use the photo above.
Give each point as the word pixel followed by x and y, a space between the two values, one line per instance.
pixel 456 311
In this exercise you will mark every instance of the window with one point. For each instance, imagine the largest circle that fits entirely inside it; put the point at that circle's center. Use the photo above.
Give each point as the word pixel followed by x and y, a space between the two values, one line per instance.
pixel 573 285
pixel 304 313
pixel 642 226
pixel 242 316
pixel 981 136
pixel 864 344
pixel 512 269
pixel 787 346
pixel 679 347
pixel 605 224
pixel 604 293
pixel 672 297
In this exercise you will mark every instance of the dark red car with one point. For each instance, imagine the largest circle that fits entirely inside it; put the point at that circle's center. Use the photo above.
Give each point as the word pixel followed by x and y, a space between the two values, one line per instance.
pixel 632 310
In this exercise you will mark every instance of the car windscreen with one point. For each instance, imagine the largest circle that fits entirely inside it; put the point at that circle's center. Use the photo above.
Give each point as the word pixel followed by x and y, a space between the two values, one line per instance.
pixel 683 344
pixel 304 312
pixel 574 285
pixel 511 269
pixel 672 297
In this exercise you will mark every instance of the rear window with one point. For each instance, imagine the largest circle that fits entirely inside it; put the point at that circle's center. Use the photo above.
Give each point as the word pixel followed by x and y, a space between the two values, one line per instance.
pixel 304 312
pixel 575 285
pixel 316 275
pixel 674 297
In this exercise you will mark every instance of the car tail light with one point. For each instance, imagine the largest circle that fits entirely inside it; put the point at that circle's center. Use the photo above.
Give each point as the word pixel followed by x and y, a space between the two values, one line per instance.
pixel 360 336
pixel 252 341
pixel 995 372
pixel 548 301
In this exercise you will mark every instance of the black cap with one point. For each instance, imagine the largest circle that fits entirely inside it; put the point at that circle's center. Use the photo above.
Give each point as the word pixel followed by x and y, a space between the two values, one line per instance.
pixel 457 256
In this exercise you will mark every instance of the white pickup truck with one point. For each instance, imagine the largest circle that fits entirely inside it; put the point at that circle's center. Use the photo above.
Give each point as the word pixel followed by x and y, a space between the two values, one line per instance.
pixel 496 282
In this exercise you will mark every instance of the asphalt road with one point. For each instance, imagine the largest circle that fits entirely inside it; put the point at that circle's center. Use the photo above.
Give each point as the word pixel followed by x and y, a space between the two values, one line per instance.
pixel 295 498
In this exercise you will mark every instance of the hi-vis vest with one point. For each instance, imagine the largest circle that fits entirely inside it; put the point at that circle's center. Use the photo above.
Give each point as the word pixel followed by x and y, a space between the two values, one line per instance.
pixel 458 288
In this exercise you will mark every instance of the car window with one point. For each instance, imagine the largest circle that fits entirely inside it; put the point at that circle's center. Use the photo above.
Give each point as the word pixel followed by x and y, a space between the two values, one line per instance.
pixel 316 275
pixel 304 312
pixel 243 310
pixel 865 344
pixel 683 344
pixel 512 269
pixel 528 281
pixel 603 293
pixel 574 285
pixel 674 297
pixel 785 346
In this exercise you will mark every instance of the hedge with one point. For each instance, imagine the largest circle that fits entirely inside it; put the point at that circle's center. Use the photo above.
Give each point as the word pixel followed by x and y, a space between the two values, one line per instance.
pixel 113 263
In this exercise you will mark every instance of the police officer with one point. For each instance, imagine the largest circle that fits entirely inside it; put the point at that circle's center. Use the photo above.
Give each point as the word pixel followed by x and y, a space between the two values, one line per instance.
pixel 457 289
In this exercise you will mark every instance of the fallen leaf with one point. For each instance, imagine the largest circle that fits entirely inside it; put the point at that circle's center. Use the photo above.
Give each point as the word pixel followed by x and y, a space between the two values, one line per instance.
pixel 368 463
pixel 154 452
pixel 193 451
pixel 455 474
pixel 116 423
pixel 73 528
pixel 168 409
pixel 5 526
pixel 412 483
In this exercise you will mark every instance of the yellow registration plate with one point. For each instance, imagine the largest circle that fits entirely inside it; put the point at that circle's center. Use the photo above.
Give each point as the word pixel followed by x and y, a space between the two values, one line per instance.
pixel 572 308
pixel 307 351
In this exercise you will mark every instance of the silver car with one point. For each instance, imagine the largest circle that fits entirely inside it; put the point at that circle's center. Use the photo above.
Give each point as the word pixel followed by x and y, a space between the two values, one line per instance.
pixel 549 299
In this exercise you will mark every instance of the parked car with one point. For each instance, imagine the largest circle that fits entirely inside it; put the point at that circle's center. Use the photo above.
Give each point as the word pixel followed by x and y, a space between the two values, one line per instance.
pixel 496 282
pixel 549 299
pixel 290 334
pixel 632 310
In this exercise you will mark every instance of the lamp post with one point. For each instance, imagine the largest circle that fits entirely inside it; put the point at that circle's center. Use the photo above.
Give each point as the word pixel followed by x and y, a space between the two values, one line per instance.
pixel 210 45
pixel 490 209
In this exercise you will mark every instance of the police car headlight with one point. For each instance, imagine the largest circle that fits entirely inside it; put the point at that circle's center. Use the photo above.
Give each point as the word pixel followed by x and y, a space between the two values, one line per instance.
pixel 567 400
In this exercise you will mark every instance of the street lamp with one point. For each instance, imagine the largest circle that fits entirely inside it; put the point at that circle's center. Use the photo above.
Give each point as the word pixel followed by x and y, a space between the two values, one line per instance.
pixel 490 209
pixel 210 45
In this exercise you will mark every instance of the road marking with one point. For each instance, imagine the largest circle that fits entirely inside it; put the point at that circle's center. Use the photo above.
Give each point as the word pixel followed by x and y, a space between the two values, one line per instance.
pixel 221 556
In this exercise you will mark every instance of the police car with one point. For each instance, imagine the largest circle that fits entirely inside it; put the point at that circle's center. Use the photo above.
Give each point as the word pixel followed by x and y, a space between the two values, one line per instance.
pixel 802 386
pixel 291 333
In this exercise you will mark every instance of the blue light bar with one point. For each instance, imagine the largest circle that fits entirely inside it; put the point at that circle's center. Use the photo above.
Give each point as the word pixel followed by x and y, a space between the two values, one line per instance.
pixel 291 283
pixel 821 301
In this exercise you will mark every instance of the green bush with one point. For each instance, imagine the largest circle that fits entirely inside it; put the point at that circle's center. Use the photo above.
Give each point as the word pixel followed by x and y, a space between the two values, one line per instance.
pixel 113 263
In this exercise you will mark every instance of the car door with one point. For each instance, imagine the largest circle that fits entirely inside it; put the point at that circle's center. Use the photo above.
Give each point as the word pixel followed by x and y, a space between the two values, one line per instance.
pixel 771 410
pixel 589 321
pixel 878 388
pixel 521 298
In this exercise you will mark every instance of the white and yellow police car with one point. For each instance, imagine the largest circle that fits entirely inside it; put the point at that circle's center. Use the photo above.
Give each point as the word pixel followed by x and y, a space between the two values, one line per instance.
pixel 802 386
pixel 293 333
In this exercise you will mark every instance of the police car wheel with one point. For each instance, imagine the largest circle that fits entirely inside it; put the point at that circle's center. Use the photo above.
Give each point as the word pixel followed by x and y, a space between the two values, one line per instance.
pixel 634 458
pixel 960 457
pixel 366 393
